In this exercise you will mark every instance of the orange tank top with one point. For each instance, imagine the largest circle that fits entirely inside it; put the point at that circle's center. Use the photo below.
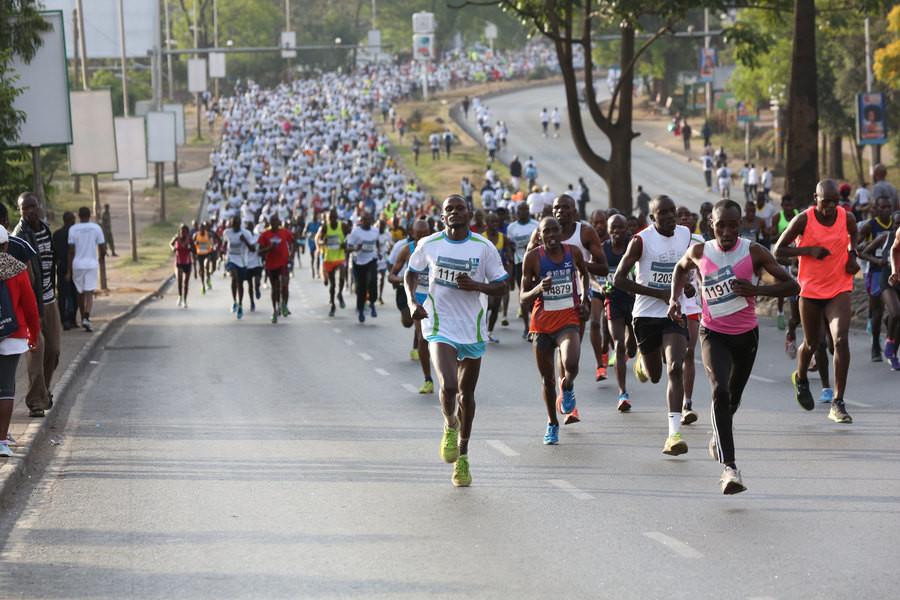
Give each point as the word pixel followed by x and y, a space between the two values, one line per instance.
pixel 826 278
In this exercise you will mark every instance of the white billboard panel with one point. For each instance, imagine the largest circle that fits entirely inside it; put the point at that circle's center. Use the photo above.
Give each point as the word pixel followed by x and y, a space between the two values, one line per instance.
pixel 217 64
pixel 197 75
pixel 131 148
pixel 142 107
pixel 161 145
pixel 101 24
pixel 93 148
pixel 178 109
pixel 288 40
pixel 45 95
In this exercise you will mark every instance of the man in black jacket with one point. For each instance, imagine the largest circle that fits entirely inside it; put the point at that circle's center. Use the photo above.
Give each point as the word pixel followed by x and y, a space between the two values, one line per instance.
pixel 68 297
pixel 43 363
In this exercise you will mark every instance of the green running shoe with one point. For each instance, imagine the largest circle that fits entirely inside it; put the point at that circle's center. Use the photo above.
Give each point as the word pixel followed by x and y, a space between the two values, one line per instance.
pixel 428 388
pixel 838 413
pixel 461 475
pixel 675 445
pixel 274 317
pixel 638 371
pixel 450 444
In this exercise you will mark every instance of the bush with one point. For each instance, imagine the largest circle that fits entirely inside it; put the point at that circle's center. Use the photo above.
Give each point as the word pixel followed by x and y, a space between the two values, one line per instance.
pixel 540 72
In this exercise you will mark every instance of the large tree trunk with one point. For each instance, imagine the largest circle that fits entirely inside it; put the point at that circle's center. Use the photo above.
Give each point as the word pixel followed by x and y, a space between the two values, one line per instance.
pixel 803 123
pixel 835 168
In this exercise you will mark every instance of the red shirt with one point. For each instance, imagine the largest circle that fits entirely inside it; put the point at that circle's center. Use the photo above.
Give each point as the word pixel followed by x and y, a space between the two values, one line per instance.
pixel 23 300
pixel 278 256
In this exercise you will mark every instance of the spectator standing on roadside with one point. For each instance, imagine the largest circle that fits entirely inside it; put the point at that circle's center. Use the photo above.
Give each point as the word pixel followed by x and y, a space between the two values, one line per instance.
pixel 68 298
pixel 84 240
pixel 106 225
pixel 447 138
pixel 766 180
pixel 883 187
pixel 686 135
pixel 706 132
pixel 435 141
pixel 23 339
pixel 642 202
pixel 43 362
pixel 515 172
pixel 707 161
pixel 585 196
pixel 465 106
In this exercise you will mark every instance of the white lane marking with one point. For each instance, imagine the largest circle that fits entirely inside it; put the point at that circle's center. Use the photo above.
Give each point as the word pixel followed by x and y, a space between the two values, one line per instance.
pixel 349 342
pixel 672 544
pixel 410 388
pixel 568 487
pixel 336 330
pixel 365 356
pixel 502 448
pixel 382 372
pixel 761 598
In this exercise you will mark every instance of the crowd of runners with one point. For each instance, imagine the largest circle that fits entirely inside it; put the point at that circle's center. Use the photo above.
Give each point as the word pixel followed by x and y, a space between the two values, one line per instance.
pixel 303 173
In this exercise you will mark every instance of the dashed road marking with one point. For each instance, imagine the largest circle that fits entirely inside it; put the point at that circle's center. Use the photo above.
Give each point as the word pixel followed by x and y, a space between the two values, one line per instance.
pixel 410 388
pixel 672 544
pixel 336 330
pixel 763 379
pixel 365 356
pixel 502 448
pixel 568 487
pixel 382 372
pixel 349 342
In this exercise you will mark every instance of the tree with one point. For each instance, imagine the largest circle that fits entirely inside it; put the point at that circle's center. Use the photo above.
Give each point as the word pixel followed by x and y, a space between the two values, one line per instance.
pixel 20 28
pixel 570 26
pixel 801 173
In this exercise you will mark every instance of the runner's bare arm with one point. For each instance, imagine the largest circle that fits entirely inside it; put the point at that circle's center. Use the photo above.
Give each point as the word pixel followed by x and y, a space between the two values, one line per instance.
pixel 783 248
pixel 763 260
pixel 685 265
pixel 581 265
pixel 622 282
pixel 591 240
pixel 894 279
pixel 531 275
pixel 867 250
pixel 402 257
pixel 853 232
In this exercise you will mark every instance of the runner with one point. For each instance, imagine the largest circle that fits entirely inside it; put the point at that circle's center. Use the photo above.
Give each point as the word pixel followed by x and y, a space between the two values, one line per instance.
pixel 461 267
pixel 822 234
pixel 619 306
pixel 868 231
pixel 599 333
pixel 519 233
pixel 275 246
pixel 254 268
pixel 239 245
pixel 779 224
pixel 893 282
pixel 334 255
pixel 691 310
pixel 549 281
pixel 654 252
pixel 495 236
pixel 398 260
pixel 727 265
pixel 184 249
pixel 878 252
pixel 364 241
pixel 203 245
pixel 311 232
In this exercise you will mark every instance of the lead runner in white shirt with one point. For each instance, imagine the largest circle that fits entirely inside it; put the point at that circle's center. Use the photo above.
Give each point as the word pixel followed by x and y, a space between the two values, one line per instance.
pixel 463 267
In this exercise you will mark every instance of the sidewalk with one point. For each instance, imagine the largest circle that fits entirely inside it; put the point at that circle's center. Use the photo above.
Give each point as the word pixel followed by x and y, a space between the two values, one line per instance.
pixel 125 295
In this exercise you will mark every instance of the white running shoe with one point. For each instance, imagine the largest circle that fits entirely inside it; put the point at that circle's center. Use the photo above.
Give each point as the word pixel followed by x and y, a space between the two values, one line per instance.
pixel 5 450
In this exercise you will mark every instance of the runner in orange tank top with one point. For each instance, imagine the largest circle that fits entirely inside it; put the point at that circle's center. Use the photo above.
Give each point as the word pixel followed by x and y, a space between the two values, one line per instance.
pixel 826 237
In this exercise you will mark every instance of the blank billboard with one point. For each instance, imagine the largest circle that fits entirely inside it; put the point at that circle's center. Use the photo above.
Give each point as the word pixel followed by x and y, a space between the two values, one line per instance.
pixel 196 75
pixel 178 109
pixel 93 148
pixel 101 25
pixel 161 136
pixel 45 90
pixel 131 148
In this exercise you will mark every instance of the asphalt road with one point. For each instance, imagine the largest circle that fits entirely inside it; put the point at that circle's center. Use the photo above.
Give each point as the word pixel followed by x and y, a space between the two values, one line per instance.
pixel 210 457
pixel 558 162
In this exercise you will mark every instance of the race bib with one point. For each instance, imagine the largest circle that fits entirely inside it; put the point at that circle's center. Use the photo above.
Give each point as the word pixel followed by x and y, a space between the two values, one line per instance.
pixel 333 242
pixel 560 295
pixel 448 269
pixel 368 246
pixel 718 293
pixel 661 275
pixel 202 248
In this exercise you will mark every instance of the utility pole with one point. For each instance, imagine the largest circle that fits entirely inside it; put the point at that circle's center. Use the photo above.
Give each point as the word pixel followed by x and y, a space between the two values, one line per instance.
pixel 131 226
pixel 95 184
pixel 197 45
pixel 168 47
pixel 706 39
pixel 216 39
pixel 76 180
pixel 874 149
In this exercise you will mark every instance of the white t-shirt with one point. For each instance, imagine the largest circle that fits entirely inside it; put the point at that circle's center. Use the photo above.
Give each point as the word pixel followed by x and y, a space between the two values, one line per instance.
pixel 237 249
pixel 654 269
pixel 456 315
pixel 369 240
pixel 85 237
pixel 520 235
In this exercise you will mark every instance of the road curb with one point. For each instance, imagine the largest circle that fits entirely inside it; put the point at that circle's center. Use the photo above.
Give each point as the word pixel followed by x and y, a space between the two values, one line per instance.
pixel 38 430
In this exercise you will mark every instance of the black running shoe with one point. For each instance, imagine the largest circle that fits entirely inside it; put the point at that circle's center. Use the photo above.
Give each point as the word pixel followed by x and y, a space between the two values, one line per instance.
pixel 804 397
pixel 838 413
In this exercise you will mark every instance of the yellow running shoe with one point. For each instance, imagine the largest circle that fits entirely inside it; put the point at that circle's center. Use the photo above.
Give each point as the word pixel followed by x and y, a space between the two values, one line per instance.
pixel 675 445
pixel 461 475
pixel 450 444
pixel 413 355
pixel 428 388
pixel 638 370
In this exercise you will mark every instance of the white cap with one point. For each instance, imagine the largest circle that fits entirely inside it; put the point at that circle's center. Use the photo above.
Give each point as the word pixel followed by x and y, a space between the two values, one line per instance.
pixel 4 235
